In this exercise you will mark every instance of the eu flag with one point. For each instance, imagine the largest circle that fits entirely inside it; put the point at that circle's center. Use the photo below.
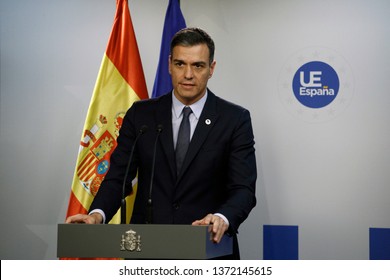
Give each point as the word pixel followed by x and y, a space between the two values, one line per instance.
pixel 174 21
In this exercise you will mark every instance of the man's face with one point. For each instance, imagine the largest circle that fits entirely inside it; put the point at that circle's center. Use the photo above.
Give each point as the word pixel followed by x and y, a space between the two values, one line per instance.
pixel 190 71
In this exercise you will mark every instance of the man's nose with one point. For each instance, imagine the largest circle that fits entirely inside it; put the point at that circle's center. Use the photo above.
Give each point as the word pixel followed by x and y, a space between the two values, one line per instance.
pixel 188 73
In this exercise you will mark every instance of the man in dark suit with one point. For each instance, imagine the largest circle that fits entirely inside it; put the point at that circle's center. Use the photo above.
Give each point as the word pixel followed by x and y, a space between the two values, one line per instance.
pixel 213 183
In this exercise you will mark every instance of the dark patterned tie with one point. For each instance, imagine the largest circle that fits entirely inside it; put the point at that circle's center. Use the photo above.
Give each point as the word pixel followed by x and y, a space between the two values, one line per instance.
pixel 183 138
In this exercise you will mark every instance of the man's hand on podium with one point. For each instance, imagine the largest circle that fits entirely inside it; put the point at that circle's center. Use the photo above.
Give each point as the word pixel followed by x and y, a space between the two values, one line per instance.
pixel 217 226
pixel 94 218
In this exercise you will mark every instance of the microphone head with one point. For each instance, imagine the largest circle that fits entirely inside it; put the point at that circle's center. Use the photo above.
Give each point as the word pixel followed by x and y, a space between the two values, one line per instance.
pixel 159 127
pixel 143 129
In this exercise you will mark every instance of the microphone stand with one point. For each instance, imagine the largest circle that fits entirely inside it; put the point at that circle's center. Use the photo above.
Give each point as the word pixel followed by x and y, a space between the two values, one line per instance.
pixel 149 206
pixel 123 201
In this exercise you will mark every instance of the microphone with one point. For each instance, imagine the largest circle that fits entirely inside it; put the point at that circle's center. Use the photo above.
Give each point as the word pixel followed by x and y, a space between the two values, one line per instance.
pixel 149 206
pixel 142 130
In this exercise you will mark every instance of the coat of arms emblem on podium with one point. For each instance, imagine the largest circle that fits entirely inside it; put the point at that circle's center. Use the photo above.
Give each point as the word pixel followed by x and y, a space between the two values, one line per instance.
pixel 131 241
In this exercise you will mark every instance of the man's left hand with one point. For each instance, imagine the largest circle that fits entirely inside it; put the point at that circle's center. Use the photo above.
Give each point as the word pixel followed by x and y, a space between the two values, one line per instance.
pixel 217 226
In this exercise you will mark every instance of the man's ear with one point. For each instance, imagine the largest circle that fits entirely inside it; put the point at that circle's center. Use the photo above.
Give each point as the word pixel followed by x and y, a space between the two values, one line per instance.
pixel 169 64
pixel 212 68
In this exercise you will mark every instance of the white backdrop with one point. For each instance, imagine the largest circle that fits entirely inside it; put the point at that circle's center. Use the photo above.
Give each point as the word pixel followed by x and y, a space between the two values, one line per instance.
pixel 325 170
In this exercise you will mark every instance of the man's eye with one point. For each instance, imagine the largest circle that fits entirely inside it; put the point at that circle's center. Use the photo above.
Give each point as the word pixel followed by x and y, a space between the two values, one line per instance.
pixel 199 65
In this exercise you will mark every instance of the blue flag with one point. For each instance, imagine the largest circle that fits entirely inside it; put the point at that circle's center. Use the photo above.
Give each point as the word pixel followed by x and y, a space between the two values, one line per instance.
pixel 174 21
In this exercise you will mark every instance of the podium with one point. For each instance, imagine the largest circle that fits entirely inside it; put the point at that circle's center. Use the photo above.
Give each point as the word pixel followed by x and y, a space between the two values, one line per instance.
pixel 135 241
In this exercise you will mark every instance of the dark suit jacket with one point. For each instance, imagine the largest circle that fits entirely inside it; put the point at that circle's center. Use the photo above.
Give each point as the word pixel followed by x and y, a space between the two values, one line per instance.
pixel 218 173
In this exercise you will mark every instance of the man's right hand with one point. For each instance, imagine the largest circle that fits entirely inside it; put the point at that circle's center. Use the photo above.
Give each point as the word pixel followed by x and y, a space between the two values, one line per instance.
pixel 94 218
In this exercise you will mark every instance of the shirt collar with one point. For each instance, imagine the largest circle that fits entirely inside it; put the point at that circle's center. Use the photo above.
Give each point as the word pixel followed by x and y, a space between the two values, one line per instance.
pixel 196 108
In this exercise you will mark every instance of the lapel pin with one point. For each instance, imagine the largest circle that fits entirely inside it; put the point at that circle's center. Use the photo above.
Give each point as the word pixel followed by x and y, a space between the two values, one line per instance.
pixel 208 122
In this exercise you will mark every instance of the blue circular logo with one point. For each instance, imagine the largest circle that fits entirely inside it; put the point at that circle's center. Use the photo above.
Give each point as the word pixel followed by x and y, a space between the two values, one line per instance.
pixel 316 84
pixel 102 167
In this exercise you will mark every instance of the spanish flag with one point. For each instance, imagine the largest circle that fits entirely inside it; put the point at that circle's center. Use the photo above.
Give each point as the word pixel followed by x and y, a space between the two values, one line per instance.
pixel 120 82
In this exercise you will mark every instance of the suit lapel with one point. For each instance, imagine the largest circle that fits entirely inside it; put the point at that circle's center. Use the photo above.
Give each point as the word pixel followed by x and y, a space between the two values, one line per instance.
pixel 164 117
pixel 206 122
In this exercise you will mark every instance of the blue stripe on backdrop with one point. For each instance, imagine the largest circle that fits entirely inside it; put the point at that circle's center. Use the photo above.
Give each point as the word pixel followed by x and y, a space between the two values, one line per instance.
pixel 379 243
pixel 280 242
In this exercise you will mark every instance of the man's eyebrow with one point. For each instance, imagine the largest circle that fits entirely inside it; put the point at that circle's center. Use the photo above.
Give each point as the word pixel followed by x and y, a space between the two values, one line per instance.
pixel 200 62
pixel 176 60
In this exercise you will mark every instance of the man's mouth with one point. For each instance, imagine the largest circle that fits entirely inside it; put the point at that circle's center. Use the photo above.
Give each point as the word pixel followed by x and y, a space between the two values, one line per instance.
pixel 187 85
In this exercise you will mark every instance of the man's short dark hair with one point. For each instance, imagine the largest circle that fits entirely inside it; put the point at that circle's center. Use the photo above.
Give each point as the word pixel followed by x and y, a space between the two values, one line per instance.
pixel 193 36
